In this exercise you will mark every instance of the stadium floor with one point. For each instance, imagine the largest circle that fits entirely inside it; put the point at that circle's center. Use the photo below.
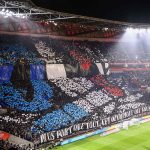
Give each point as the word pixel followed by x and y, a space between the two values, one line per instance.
pixel 136 138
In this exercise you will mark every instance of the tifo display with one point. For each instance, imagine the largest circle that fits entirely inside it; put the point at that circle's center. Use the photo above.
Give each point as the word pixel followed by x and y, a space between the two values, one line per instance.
pixel 58 88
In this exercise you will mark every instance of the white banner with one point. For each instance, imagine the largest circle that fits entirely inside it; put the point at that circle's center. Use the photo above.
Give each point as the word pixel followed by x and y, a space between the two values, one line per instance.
pixel 100 67
pixel 55 71
pixel 103 69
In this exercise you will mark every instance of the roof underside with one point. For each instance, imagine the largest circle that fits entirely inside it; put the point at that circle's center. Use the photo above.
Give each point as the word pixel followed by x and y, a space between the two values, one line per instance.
pixel 35 13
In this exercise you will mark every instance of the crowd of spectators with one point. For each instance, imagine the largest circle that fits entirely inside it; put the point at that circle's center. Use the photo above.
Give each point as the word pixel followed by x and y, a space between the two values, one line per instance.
pixel 111 89
pixel 16 98
pixel 61 102
pixel 131 79
pixel 6 145
pixel 59 118
pixel 51 121
pixel 18 124
pixel 109 109
pixel 10 53
pixel 75 111
pixel 39 50
pixel 98 98
pixel 48 53
pixel 88 101
pixel 83 103
pixel 73 87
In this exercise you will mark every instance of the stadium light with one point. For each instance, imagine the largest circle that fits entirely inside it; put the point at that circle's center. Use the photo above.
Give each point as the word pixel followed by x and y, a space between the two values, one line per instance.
pixel 55 24
pixel 130 29
pixel 7 13
pixel 142 30
pixel 105 29
pixel 137 30
pixel 148 30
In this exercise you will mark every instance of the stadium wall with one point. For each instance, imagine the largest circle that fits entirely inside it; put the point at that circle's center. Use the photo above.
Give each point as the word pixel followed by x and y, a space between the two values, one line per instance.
pixel 70 38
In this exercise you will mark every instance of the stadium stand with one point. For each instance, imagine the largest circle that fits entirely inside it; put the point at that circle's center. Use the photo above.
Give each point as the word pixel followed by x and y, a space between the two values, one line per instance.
pixel 65 77
pixel 37 104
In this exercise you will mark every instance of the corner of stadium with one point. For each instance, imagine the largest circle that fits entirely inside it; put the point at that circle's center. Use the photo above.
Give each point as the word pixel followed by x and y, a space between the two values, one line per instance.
pixel 72 82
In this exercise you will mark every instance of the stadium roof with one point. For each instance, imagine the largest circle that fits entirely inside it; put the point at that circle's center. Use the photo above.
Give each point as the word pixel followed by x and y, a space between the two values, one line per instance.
pixel 35 13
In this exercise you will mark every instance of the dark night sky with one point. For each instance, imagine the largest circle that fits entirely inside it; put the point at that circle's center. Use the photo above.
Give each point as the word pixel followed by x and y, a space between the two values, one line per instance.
pixel 123 10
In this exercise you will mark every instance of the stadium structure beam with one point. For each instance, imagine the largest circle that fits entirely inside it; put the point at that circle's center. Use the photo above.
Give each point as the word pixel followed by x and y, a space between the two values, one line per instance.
pixel 27 7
